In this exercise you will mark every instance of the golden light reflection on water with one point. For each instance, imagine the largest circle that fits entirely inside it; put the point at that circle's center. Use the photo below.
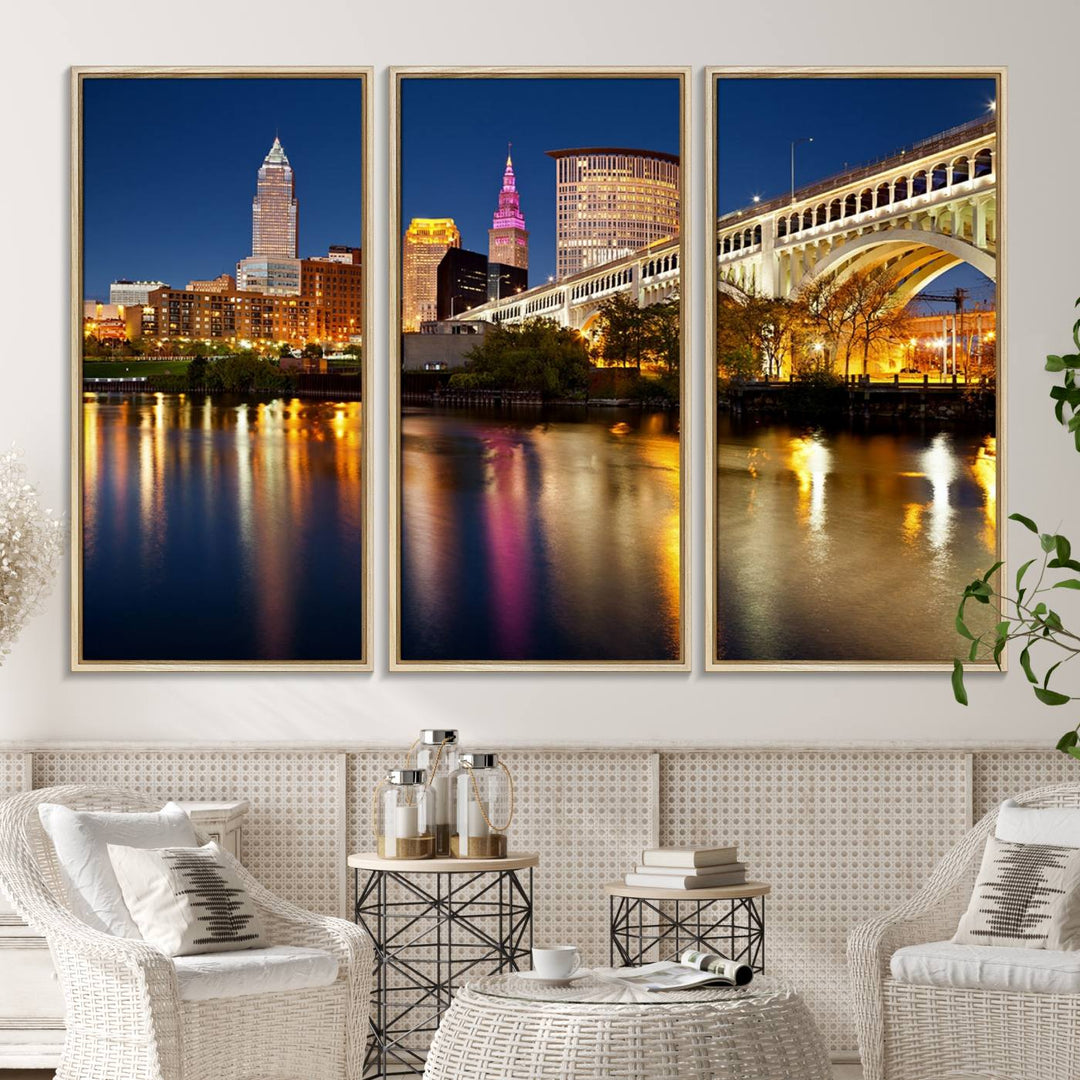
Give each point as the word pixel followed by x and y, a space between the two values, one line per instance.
pixel 540 537
pixel 908 519
pixel 984 469
pixel 238 488
pixel 809 459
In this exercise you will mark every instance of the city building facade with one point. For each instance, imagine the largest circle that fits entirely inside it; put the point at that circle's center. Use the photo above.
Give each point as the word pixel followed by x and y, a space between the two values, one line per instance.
pixel 508 239
pixel 111 322
pixel 128 292
pixel 610 202
pixel 223 282
pixel 425 242
pixel 274 210
pixel 275 277
pixel 327 308
pixel 465 279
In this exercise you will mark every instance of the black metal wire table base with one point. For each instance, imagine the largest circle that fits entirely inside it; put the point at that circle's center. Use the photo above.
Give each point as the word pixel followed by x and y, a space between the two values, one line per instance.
pixel 426 942
pixel 644 931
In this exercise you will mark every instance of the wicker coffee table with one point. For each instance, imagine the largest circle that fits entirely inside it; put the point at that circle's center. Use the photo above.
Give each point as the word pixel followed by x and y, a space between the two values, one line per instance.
pixel 593 1029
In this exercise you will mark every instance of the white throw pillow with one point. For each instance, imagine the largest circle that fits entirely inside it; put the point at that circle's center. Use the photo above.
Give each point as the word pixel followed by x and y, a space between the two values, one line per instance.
pixel 1057 825
pixel 80 839
pixel 1025 896
pixel 187 900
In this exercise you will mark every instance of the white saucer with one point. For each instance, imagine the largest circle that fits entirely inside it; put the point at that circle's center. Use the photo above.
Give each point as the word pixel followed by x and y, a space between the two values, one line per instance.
pixel 536 977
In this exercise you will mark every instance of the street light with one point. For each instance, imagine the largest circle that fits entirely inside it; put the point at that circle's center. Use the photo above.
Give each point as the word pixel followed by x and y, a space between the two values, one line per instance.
pixel 757 198
pixel 794 143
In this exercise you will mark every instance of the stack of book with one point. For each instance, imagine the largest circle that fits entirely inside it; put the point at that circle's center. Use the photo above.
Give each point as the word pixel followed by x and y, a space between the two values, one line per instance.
pixel 688 868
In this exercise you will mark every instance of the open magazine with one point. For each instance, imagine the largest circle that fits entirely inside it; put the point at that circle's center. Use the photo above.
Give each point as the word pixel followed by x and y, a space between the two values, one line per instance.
pixel 692 970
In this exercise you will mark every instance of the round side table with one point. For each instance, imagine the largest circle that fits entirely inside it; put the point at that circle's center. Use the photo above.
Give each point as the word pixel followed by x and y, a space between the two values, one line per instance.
pixel 729 920
pixel 431 922
pixel 594 1029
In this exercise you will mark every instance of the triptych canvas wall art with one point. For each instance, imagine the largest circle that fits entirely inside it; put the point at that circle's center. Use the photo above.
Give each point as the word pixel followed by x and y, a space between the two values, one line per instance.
pixel 854 371
pixel 539 366
pixel 220 446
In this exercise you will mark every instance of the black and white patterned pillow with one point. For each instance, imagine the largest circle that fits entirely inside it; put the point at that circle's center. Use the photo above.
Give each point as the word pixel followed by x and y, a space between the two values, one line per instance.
pixel 186 900
pixel 1026 895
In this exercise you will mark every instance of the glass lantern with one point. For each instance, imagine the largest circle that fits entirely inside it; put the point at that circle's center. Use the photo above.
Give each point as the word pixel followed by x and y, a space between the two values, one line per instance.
pixel 405 816
pixel 437 754
pixel 485 807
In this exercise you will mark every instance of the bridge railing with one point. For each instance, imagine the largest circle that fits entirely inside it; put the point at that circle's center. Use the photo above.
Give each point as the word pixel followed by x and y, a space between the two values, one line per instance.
pixel 913 152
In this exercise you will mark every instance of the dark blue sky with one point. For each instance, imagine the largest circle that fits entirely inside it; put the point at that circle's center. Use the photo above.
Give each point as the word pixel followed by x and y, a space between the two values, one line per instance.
pixel 454 134
pixel 169 171
pixel 851 121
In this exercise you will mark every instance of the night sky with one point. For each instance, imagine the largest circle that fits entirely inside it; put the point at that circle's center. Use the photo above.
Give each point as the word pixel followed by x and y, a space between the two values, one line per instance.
pixel 170 164
pixel 454 134
pixel 851 121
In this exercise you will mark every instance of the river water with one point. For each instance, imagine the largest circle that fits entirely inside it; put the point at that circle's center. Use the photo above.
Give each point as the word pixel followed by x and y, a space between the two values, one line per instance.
pixel 540 534
pixel 850 543
pixel 221 528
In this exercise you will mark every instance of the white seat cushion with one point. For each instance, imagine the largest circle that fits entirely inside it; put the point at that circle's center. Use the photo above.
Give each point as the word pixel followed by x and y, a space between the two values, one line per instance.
pixel 988 967
pixel 253 971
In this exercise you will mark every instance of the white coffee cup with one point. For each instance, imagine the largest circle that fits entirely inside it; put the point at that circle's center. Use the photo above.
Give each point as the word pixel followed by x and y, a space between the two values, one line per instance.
pixel 556 961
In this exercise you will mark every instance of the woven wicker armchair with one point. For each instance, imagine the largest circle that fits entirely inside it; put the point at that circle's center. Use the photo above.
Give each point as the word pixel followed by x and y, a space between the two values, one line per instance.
pixel 911 1032
pixel 125 1019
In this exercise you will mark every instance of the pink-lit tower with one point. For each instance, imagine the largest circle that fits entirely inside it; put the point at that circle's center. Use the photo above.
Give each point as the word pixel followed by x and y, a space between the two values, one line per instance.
pixel 508 239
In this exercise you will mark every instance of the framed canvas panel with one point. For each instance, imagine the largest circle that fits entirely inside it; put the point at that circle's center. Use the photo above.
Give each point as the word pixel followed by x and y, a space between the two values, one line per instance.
pixel 538 407
pixel 855 330
pixel 220 371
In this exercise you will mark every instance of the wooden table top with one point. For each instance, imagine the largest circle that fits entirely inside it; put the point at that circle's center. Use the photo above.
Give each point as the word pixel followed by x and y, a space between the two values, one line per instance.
pixel 721 892
pixel 516 860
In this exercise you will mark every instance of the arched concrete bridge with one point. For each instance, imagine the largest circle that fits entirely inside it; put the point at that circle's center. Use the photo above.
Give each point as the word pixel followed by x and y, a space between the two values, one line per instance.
pixel 922 211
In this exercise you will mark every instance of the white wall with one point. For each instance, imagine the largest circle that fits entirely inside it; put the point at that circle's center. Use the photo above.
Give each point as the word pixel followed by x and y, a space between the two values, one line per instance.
pixel 41 700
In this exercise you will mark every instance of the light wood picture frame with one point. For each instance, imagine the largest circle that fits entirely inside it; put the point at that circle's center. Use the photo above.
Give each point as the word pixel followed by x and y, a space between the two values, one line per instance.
pixel 264 562
pixel 514 627
pixel 745 462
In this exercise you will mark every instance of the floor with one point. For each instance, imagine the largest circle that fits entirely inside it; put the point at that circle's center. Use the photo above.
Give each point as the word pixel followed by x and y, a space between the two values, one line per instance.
pixel 840 1072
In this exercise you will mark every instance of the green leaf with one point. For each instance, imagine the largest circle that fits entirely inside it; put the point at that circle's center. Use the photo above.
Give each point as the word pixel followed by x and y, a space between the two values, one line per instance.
pixel 995 567
pixel 1022 571
pixel 1063 547
pixel 1048 541
pixel 1068 583
pixel 1070 738
pixel 958 682
pixel 962 630
pixel 1074 751
pixel 1063 564
pixel 1025 663
pixel 1050 671
pixel 1025 521
pixel 1002 629
pixel 1055 363
pixel 1051 697
pixel 999 648
pixel 973 652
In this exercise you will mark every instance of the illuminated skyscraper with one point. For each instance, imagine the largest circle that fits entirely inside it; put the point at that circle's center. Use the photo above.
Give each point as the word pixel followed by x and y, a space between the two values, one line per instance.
pixel 425 242
pixel 611 202
pixel 508 239
pixel 272 267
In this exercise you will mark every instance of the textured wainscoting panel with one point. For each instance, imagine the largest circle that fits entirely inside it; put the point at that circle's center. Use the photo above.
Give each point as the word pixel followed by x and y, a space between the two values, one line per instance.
pixel 1000 775
pixel 13 768
pixel 290 839
pixel 588 815
pixel 840 835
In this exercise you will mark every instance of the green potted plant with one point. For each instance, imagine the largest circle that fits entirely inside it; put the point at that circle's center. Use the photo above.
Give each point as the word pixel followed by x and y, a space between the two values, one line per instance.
pixel 1027 614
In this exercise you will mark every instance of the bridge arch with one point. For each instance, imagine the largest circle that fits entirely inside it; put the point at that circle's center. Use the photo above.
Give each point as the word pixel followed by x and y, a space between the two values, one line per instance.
pixel 877 247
